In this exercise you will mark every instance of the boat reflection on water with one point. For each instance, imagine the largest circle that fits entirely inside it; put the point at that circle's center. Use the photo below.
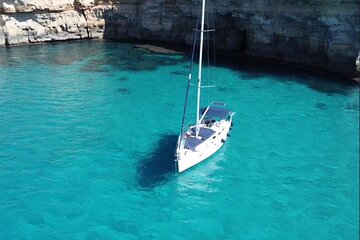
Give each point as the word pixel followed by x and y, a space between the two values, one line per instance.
pixel 157 167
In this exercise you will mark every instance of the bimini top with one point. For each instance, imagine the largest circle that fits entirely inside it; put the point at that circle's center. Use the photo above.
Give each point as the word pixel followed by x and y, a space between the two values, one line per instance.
pixel 216 112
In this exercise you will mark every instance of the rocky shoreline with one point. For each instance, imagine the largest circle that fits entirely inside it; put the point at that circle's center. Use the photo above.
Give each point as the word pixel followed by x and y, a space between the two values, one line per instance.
pixel 43 21
pixel 314 33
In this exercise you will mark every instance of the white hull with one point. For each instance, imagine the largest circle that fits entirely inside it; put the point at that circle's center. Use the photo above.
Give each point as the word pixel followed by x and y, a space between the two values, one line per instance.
pixel 186 158
pixel 212 126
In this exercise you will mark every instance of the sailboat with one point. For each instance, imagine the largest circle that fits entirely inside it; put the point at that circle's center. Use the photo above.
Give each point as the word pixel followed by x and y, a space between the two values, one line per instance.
pixel 213 123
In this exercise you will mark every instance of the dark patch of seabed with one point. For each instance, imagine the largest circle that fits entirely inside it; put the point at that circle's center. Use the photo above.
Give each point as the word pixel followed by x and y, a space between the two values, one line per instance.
pixel 321 106
pixel 127 58
pixel 253 68
pixel 124 91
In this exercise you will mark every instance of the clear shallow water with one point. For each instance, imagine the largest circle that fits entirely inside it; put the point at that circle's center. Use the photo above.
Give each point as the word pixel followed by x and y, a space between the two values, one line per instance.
pixel 87 135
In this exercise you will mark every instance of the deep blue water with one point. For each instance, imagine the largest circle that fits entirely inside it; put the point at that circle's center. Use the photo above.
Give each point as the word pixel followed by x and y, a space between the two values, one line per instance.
pixel 87 137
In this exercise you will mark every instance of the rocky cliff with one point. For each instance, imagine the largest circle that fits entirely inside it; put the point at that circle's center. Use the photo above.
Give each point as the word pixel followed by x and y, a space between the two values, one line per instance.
pixel 317 33
pixel 31 21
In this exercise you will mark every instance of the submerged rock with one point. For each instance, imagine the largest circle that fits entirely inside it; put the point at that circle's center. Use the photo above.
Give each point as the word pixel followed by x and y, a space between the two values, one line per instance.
pixel 157 49
pixel 124 91
pixel 321 106
pixel 180 73
pixel 352 106
pixel 123 79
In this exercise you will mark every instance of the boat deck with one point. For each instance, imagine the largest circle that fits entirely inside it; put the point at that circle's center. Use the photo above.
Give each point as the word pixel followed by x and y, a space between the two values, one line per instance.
pixel 191 142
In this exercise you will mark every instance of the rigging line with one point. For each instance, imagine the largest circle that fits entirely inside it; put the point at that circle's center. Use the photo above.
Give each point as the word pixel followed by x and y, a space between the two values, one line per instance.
pixel 214 37
pixel 211 18
pixel 208 69
pixel 189 79
pixel 209 15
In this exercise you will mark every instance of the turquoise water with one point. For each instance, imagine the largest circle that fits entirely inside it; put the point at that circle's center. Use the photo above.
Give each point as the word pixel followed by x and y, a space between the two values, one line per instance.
pixel 87 136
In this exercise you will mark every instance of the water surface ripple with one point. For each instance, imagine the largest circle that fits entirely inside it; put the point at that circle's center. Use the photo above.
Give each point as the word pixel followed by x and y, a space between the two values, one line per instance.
pixel 87 136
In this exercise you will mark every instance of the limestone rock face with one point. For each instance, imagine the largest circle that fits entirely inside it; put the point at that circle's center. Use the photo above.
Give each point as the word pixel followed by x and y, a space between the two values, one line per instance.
pixel 84 4
pixel 31 28
pixel 317 33
pixel 95 20
pixel 15 32
pixel 320 34
pixel 12 6
pixel 30 21
pixel 2 35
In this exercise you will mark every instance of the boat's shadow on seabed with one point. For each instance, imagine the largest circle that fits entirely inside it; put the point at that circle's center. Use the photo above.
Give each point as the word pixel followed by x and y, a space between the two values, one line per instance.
pixel 156 168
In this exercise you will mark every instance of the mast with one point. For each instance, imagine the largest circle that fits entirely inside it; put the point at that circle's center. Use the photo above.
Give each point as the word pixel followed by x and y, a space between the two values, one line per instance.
pixel 200 67
pixel 189 78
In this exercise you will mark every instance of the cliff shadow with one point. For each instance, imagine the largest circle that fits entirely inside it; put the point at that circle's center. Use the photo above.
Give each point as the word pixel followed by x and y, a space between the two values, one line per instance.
pixel 252 68
pixel 157 166
pixel 125 26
